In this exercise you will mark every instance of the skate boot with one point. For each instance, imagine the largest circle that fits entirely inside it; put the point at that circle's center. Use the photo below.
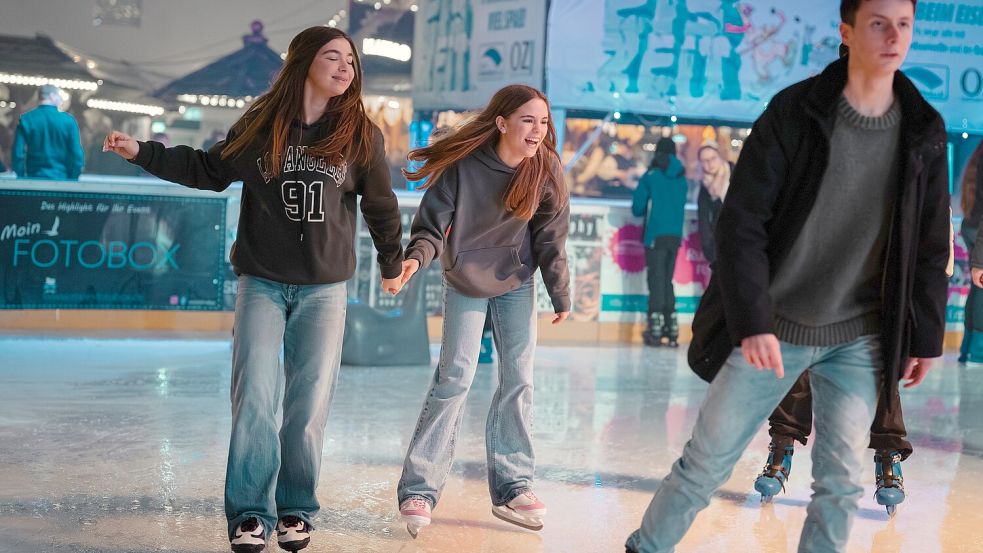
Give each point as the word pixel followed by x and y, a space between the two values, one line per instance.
pixel 415 512
pixel 670 331
pixel 890 484
pixel 652 335
pixel 525 510
pixel 292 533
pixel 249 537
pixel 777 468
pixel 487 353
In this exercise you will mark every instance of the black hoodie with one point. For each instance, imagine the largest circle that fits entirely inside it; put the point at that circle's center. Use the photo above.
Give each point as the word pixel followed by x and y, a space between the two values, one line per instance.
pixel 297 227
pixel 486 251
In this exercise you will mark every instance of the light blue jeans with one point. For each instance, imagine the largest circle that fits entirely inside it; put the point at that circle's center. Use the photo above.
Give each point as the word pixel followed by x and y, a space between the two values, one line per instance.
pixel 845 382
pixel 273 469
pixel 507 434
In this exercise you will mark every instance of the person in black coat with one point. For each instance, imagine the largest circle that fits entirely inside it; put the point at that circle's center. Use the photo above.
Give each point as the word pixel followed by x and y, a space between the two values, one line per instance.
pixel 714 180
pixel 826 262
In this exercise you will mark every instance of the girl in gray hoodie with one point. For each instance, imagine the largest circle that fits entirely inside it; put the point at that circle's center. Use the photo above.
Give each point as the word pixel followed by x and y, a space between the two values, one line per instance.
pixel 495 210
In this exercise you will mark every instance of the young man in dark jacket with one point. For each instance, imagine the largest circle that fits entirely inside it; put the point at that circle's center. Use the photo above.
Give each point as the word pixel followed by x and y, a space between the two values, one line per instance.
pixel 832 252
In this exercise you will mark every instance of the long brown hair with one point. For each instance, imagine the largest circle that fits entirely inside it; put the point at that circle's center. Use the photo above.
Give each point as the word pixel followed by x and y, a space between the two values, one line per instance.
pixel 270 116
pixel 527 187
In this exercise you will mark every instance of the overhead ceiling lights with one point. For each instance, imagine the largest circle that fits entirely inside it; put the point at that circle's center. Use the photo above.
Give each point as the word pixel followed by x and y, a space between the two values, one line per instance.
pixel 214 100
pixel 386 49
pixel 110 105
pixel 38 80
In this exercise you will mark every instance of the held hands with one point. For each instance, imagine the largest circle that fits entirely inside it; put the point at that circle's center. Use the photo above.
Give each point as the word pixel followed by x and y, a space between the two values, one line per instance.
pixel 121 144
pixel 764 352
pixel 410 267
pixel 394 285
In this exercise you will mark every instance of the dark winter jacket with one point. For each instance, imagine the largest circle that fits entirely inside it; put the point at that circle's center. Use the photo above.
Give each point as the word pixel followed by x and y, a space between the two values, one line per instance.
pixel 661 199
pixel 707 214
pixel 773 189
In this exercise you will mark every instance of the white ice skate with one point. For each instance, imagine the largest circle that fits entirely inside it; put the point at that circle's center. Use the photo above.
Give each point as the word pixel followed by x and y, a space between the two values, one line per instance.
pixel 525 510
pixel 415 512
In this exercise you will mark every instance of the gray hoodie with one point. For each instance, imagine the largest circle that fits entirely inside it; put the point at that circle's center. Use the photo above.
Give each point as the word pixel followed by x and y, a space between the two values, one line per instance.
pixel 484 250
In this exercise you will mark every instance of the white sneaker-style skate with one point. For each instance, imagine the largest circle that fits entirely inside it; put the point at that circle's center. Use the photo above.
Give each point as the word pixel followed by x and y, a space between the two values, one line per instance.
pixel 415 512
pixel 525 510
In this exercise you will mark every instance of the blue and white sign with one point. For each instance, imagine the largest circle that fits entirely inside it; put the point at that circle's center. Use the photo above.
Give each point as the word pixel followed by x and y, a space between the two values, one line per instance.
pixel 465 50
pixel 724 59
pixel 79 250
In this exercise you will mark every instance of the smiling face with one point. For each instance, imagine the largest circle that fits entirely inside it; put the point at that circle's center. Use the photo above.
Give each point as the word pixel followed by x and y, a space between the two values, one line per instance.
pixel 524 129
pixel 880 35
pixel 333 68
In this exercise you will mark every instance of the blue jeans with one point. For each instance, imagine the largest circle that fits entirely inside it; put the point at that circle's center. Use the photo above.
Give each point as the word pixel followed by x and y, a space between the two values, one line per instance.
pixel 845 380
pixel 507 434
pixel 273 469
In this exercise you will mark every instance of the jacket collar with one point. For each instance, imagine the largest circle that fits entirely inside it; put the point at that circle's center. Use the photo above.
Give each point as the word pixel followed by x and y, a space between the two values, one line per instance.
pixel 917 115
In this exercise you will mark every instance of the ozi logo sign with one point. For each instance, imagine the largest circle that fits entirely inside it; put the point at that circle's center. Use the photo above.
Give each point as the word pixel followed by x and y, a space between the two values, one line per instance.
pixel 490 66
pixel 930 79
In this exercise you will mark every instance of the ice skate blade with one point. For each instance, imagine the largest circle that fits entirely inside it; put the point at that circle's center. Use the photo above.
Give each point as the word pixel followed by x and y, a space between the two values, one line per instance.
pixel 534 524
pixel 413 526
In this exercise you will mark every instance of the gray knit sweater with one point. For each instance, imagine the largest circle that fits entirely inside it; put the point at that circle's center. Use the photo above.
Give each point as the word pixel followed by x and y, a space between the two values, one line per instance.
pixel 828 290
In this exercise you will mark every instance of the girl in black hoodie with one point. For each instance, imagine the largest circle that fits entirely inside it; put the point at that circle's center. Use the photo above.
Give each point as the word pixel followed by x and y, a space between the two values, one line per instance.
pixel 304 151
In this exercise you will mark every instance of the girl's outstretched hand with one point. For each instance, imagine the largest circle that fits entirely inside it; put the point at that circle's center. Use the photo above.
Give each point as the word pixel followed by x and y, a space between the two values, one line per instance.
pixel 121 144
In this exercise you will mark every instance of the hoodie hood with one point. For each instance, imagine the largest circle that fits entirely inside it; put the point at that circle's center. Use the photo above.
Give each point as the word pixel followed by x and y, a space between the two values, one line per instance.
pixel 487 155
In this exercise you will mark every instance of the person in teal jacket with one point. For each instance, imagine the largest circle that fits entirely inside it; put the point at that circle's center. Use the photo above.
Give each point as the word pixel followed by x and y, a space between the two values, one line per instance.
pixel 47 144
pixel 661 199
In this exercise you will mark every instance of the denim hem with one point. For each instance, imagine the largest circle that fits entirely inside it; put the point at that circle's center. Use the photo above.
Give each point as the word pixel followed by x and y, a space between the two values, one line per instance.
pixel 512 495
pixel 301 514
pixel 235 522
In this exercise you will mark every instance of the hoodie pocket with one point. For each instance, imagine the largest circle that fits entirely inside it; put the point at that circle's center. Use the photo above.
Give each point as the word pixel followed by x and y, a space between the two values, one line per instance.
pixel 488 271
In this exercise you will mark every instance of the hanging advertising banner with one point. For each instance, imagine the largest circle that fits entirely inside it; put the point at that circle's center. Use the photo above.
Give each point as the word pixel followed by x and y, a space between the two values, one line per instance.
pixel 68 250
pixel 465 50
pixel 946 61
pixel 725 59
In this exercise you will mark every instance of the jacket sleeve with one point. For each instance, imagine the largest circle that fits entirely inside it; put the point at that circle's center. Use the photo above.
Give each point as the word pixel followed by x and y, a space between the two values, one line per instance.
pixel 17 156
pixel 640 197
pixel 742 266
pixel 380 209
pixel 75 159
pixel 549 227
pixel 931 285
pixel 187 166
pixel 433 220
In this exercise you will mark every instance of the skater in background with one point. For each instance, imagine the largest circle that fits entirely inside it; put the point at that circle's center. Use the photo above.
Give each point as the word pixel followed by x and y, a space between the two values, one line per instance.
pixel 791 421
pixel 971 349
pixel 714 180
pixel 661 199
pixel 47 143
pixel 818 269
pixel 308 137
pixel 494 211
